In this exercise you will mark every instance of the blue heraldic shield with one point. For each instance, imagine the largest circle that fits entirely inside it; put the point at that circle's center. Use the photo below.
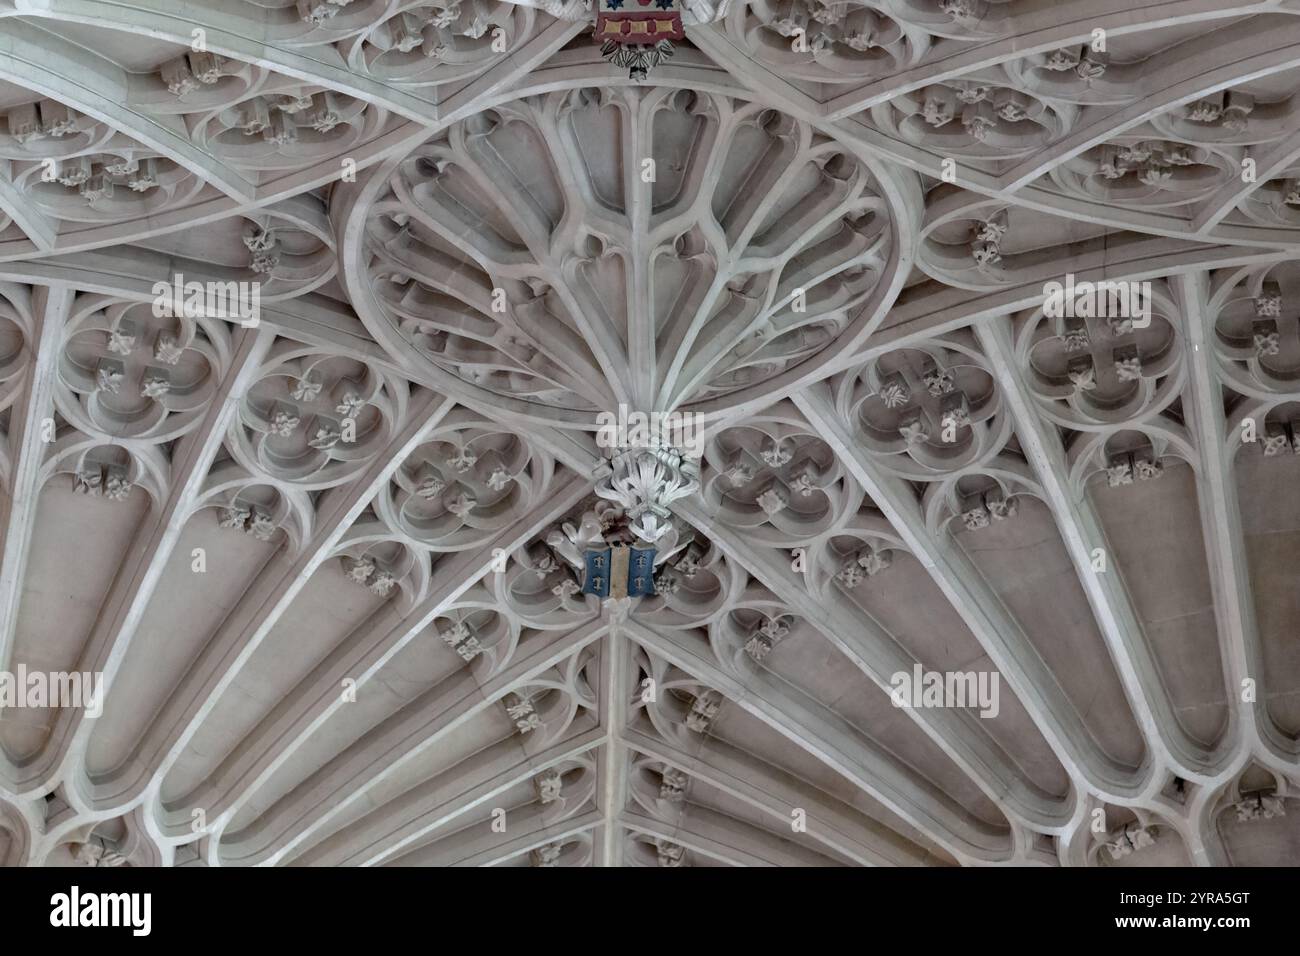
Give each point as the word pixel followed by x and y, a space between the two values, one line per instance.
pixel 640 572
pixel 597 579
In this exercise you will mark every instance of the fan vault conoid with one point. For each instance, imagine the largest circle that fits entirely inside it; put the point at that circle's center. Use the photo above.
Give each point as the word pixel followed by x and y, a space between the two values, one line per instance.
pixel 328 563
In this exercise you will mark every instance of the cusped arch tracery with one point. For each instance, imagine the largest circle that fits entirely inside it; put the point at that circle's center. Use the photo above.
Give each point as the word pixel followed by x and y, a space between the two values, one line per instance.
pixel 134 370
pixel 469 480
pixel 1148 172
pixel 514 252
pixel 315 419
pixel 1117 360
pixel 522 252
pixel 826 42
pixel 928 410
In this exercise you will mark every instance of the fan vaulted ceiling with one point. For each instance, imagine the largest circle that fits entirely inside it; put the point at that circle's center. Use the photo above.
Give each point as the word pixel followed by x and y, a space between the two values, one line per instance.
pixel 826 230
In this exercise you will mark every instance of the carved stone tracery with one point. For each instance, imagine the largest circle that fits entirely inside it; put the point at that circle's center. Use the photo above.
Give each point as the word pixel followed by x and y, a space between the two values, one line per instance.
pixel 764 243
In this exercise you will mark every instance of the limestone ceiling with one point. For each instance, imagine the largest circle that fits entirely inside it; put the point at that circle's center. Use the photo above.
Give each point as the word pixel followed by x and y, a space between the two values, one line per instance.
pixel 325 562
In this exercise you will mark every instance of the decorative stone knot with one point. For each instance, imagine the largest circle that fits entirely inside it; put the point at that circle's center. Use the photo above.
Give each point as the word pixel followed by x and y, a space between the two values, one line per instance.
pixel 326 437
pixel 978 511
pixel 167 350
pixel 739 474
pixel 430 487
pixel 776 454
pixel 914 430
pixel 1259 807
pixel 1082 373
pixel 305 390
pixel 548 855
pixel 703 709
pixel 567 588
pixel 549 785
pixel 1122 844
pixel 1142 465
pixel 120 341
pixel 155 386
pixel 895 392
pixel 766 635
pixel 938 381
pixel 670 854
pixel 524 715
pixel 773 501
pixel 350 406
pixel 673 783
pixel 463 460
pixel 1268 304
pixel 462 504
pixel 1266 338
pixel 284 424
pixel 1128 365
pixel 461 638
pixel 1075 338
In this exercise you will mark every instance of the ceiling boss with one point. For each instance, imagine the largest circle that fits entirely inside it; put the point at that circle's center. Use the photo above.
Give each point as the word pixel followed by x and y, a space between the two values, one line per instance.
pixel 654 461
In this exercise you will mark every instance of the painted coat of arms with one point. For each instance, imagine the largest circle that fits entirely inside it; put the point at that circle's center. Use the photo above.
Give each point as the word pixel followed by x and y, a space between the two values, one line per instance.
pixel 619 572
pixel 638 34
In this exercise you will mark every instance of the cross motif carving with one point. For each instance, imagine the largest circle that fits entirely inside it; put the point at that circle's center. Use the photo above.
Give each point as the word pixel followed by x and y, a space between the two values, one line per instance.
pixel 366 572
pixel 765 635
pixel 672 786
pixel 1101 357
pixel 549 785
pixel 866 562
pixel 456 480
pixel 136 362
pixel 240 517
pixel 771 477
pixel 928 403
pixel 523 713
pixel 313 409
pixel 95 480
pixel 1140 463
pixel 460 638
pixel 1274 333
pixel 703 709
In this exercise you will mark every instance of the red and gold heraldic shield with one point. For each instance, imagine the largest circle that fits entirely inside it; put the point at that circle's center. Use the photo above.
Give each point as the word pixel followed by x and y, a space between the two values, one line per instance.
pixel 638 22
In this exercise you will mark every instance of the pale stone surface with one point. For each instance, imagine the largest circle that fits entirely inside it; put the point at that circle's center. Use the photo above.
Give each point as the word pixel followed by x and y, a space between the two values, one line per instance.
pixel 333 559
